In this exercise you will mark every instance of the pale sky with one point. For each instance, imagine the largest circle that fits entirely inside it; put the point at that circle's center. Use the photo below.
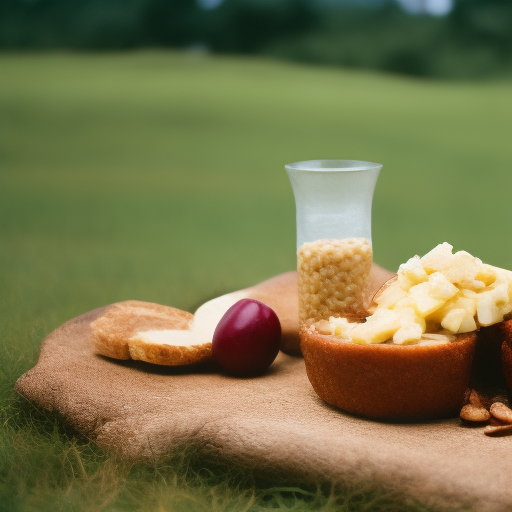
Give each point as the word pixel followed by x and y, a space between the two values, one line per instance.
pixel 433 7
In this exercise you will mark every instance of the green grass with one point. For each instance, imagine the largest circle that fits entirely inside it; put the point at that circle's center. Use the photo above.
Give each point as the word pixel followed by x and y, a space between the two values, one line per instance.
pixel 159 176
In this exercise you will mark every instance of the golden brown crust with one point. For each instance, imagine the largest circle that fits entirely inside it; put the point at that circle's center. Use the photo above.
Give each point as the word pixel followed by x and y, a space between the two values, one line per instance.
pixel 121 321
pixel 390 381
pixel 169 355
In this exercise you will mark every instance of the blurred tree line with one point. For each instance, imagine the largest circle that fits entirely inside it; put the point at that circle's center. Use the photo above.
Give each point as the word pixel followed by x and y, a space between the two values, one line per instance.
pixel 473 40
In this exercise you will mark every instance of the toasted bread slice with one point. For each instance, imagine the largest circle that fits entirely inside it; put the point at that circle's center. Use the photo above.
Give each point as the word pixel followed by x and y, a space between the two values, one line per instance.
pixel 124 320
pixel 160 334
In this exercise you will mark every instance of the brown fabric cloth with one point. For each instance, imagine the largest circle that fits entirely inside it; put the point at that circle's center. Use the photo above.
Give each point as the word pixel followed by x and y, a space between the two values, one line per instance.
pixel 273 423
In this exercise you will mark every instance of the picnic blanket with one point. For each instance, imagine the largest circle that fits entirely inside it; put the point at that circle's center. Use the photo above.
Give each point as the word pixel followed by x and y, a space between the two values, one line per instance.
pixel 274 423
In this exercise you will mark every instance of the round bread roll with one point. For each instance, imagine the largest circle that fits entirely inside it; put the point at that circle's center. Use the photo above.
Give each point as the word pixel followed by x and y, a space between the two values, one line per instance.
pixel 389 381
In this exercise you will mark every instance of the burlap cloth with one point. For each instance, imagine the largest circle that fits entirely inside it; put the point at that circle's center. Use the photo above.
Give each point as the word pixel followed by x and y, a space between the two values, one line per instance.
pixel 274 423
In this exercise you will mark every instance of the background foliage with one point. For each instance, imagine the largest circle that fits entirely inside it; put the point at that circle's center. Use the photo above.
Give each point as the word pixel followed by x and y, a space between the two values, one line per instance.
pixel 474 40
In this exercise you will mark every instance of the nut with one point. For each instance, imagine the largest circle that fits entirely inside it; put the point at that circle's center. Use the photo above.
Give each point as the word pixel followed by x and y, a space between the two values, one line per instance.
pixel 496 423
pixel 498 430
pixel 501 412
pixel 479 399
pixel 481 408
pixel 475 408
pixel 474 414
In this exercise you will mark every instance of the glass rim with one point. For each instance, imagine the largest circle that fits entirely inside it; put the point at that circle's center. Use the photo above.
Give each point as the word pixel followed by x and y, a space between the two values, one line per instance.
pixel 332 166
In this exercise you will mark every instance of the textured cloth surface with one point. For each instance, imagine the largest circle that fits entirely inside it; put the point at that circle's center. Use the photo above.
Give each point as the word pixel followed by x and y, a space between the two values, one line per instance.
pixel 274 423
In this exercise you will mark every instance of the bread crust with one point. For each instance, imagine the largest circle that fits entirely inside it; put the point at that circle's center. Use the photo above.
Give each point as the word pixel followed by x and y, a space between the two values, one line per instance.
pixel 115 334
pixel 389 381
pixel 169 355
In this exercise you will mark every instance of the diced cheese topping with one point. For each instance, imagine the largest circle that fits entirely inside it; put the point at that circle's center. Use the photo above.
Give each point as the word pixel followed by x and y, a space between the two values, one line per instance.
pixel 440 294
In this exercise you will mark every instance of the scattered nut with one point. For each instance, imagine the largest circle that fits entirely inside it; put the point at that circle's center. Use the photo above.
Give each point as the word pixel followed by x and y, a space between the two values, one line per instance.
pixel 475 408
pixel 498 430
pixel 496 423
pixel 479 399
pixel 501 412
pixel 480 408
pixel 474 414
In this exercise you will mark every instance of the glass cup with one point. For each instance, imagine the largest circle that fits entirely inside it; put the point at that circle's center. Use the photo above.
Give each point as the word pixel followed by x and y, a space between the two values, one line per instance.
pixel 333 200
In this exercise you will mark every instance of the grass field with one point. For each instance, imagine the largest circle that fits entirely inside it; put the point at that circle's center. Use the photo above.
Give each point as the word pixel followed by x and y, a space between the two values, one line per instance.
pixel 159 176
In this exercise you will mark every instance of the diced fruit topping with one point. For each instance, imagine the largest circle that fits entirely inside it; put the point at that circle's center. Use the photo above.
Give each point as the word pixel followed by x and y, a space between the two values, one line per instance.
pixel 487 310
pixel 440 287
pixel 425 303
pixel 342 327
pixel 411 273
pixel 438 258
pixel 430 300
pixel 391 295
pixel 324 327
pixel 408 334
pixel 453 319
pixel 467 325
pixel 378 328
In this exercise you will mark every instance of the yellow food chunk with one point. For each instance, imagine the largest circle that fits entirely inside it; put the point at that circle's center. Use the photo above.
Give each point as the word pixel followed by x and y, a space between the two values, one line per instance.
pixel 468 324
pixel 440 287
pixel 411 273
pixel 486 275
pixel 442 293
pixel 408 334
pixel 488 312
pixel 424 302
pixel 378 328
pixel 391 295
pixel 438 258
pixel 463 268
pixel 342 327
pixel 453 319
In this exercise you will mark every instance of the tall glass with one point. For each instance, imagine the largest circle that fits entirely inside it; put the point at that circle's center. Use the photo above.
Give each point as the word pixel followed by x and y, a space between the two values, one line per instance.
pixel 333 200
